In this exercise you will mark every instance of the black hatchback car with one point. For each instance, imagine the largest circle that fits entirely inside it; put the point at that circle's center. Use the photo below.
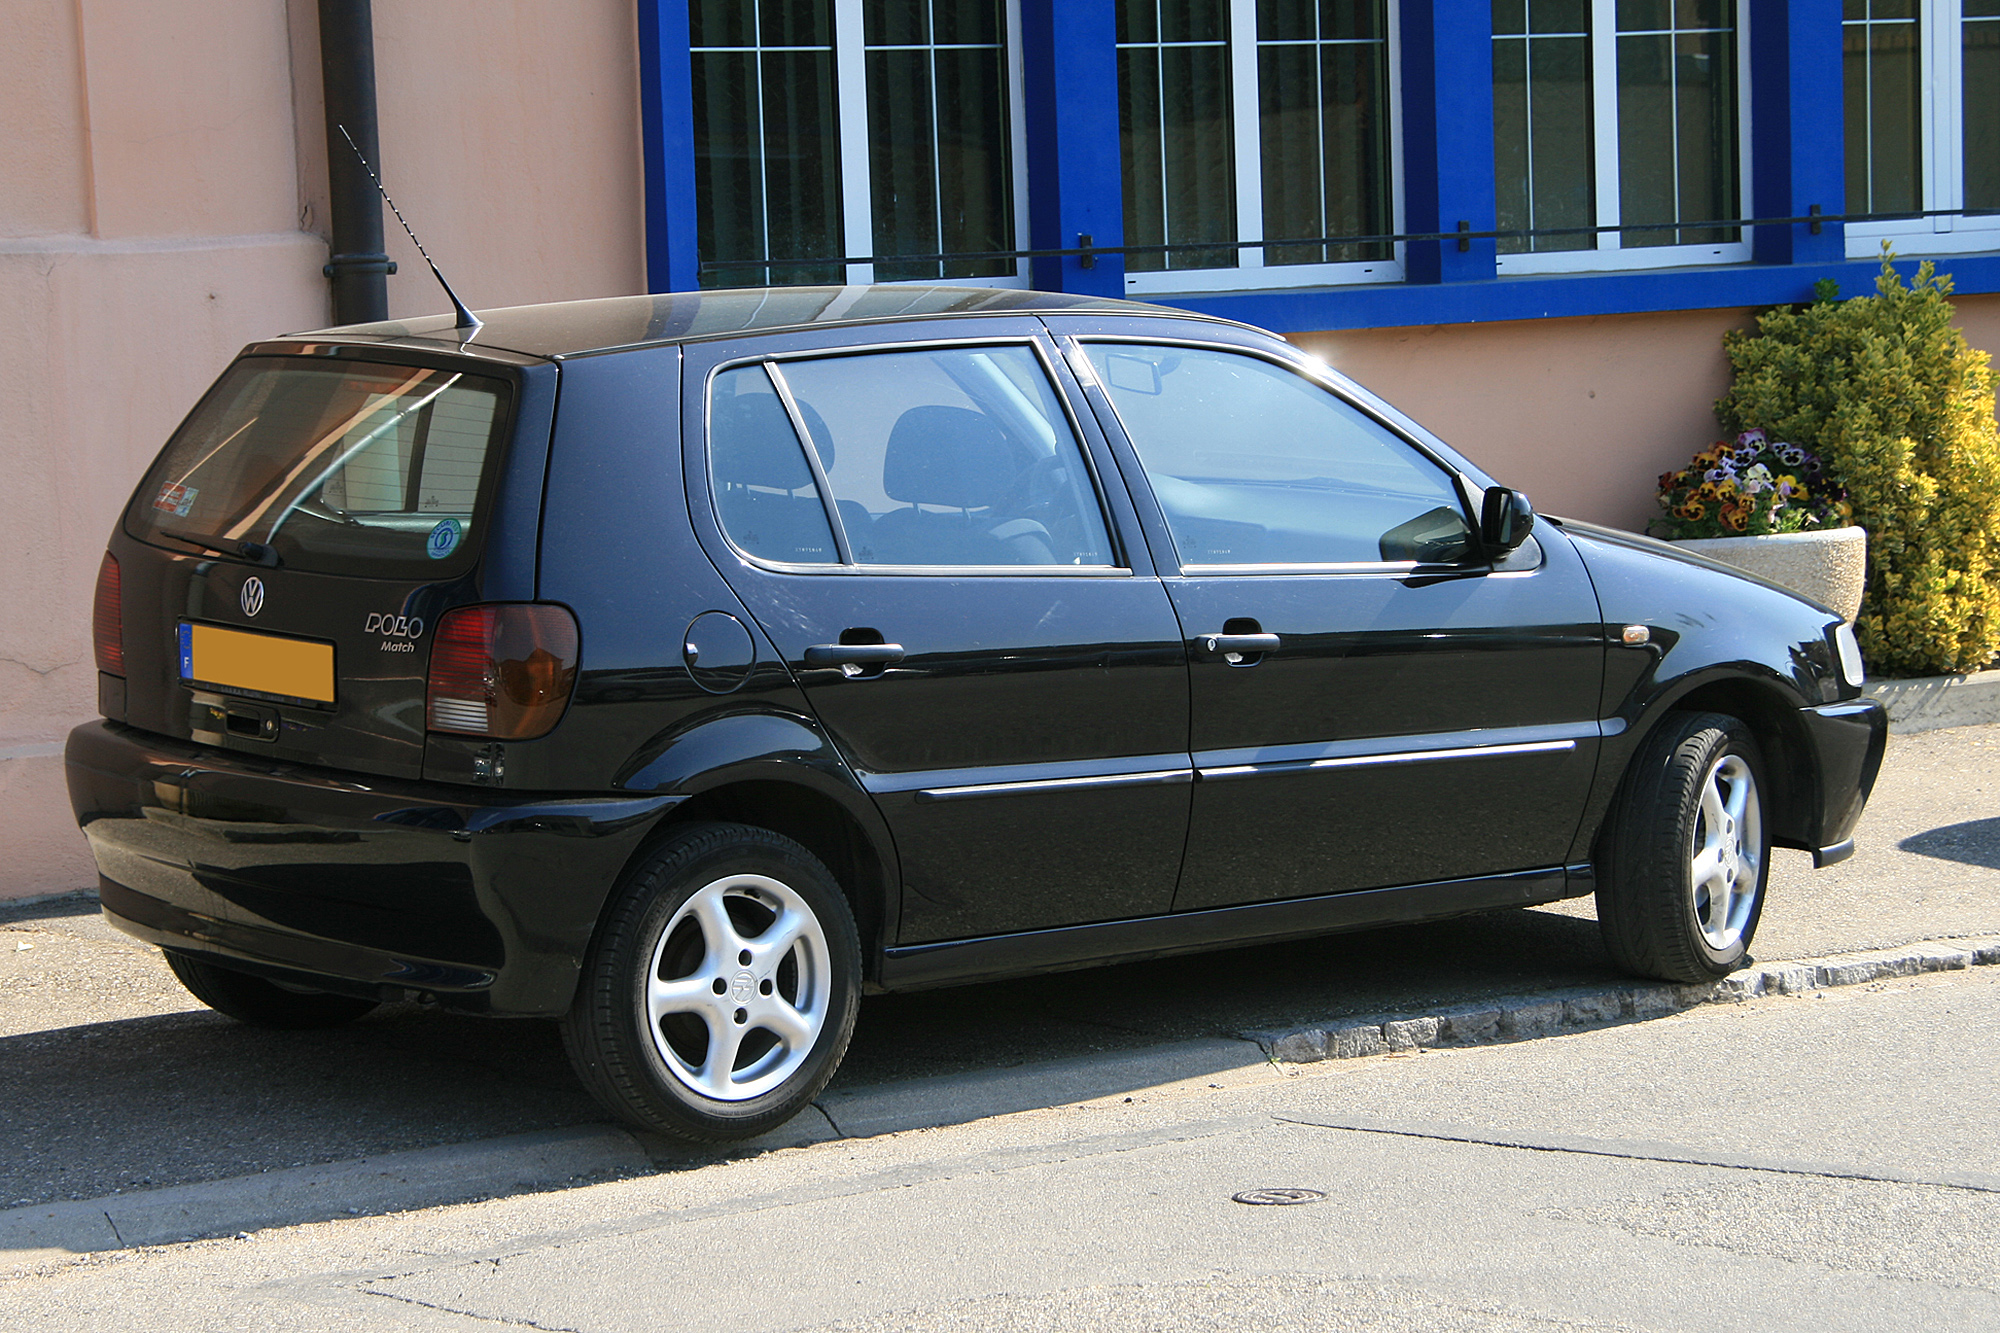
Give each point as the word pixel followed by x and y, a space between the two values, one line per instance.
pixel 682 666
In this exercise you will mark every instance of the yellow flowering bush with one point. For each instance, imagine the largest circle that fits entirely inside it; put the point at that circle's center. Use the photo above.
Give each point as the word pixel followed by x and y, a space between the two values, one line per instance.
pixel 1899 408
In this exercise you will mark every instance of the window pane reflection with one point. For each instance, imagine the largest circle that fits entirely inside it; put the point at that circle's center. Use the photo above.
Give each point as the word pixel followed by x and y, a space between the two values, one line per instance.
pixel 1981 47
pixel 940 171
pixel 1677 121
pixel 1883 91
pixel 767 173
pixel 1542 108
pixel 1323 94
pixel 1174 128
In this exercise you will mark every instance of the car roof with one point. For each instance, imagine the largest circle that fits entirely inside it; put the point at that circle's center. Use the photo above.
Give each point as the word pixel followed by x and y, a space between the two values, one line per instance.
pixel 580 328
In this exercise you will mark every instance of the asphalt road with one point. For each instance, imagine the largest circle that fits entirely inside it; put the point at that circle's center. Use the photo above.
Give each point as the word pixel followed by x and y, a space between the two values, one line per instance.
pixel 113 1079
pixel 1827 1162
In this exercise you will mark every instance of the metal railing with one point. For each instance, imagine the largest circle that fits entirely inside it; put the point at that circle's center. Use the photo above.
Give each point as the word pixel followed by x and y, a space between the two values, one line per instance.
pixel 1463 235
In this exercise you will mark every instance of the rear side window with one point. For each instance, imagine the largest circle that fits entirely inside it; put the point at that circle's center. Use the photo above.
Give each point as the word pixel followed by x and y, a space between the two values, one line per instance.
pixel 946 457
pixel 338 467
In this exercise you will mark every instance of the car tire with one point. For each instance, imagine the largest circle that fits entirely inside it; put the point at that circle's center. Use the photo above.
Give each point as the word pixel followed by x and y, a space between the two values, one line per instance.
pixel 1686 851
pixel 721 990
pixel 262 1003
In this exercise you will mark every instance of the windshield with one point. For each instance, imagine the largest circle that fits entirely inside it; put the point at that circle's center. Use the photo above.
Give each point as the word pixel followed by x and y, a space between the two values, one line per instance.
pixel 333 466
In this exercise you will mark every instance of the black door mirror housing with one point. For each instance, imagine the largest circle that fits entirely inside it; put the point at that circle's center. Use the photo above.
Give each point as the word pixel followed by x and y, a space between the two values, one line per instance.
pixel 1505 519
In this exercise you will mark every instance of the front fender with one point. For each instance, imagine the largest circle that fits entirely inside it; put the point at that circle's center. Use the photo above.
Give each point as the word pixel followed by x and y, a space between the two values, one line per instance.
pixel 1717 640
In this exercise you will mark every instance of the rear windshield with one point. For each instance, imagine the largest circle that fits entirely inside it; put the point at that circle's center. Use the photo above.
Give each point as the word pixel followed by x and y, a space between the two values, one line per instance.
pixel 334 466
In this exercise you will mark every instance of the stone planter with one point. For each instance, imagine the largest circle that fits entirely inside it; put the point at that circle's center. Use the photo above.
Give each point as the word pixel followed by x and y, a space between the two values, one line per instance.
pixel 1830 566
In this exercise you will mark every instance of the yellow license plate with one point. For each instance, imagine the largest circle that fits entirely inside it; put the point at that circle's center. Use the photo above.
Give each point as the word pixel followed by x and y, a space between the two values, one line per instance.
pixel 262 663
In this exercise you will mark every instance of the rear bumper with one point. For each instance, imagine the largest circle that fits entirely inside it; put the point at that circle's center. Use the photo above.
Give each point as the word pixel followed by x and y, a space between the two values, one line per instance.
pixel 1848 739
pixel 484 900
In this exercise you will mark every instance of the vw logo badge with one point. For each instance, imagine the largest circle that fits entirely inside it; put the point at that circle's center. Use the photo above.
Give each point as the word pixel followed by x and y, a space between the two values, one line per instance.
pixel 252 596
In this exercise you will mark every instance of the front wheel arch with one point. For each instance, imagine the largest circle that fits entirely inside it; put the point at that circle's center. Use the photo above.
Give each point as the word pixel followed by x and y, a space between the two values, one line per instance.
pixel 1791 774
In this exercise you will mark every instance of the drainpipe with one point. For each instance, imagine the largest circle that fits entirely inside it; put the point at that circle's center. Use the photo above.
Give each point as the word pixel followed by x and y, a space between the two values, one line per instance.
pixel 360 267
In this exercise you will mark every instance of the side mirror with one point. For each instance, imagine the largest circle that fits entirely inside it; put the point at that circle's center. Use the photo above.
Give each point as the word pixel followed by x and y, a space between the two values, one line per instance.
pixel 1505 520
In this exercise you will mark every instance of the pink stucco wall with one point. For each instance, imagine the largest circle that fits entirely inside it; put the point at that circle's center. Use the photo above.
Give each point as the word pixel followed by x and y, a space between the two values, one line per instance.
pixel 1582 414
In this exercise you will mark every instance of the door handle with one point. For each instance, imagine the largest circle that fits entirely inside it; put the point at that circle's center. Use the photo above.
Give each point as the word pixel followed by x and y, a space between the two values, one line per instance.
pixel 857 654
pixel 1240 645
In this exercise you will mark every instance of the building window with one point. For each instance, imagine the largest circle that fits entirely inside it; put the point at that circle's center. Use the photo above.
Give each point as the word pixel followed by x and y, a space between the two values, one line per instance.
pixel 1922 92
pixel 833 128
pixel 1254 120
pixel 767 156
pixel 1979 94
pixel 1617 114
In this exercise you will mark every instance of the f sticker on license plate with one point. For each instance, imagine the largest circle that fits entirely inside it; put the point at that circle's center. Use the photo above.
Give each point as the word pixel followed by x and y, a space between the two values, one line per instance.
pixel 257 663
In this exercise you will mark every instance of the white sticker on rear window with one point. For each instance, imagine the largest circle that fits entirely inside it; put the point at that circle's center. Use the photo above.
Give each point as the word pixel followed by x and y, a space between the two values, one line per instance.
pixel 444 539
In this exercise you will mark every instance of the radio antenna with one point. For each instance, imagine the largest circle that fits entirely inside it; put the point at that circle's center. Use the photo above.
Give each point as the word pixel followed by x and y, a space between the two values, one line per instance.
pixel 466 319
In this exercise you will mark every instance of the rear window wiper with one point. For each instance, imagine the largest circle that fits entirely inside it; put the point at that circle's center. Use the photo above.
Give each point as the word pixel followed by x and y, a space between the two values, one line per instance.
pixel 256 552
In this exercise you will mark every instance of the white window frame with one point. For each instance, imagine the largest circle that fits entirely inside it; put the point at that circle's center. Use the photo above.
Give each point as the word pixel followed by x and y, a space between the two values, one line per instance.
pixel 1251 273
pixel 1610 252
pixel 1941 117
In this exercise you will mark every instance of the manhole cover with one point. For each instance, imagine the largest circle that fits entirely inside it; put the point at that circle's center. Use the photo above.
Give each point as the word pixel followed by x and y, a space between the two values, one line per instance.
pixel 1288 1195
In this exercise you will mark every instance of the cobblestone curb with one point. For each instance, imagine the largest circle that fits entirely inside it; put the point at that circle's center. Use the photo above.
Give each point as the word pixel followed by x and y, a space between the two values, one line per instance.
pixel 1517 1018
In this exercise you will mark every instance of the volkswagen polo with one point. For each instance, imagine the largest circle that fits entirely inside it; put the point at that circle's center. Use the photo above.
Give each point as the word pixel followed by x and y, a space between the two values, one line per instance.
pixel 681 667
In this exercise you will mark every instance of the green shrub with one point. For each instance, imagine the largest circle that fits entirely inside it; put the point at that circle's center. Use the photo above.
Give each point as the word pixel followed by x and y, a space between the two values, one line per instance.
pixel 1888 393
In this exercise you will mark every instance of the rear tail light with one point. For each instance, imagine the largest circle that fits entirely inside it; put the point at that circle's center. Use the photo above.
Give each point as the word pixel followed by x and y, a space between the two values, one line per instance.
pixel 503 670
pixel 107 618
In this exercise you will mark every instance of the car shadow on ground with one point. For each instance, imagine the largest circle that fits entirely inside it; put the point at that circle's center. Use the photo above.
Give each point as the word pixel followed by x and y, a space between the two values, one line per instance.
pixel 1224 993
pixel 178 1098
pixel 1976 842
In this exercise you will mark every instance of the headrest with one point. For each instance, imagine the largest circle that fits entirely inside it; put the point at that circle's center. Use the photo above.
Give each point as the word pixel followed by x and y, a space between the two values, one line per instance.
pixel 752 443
pixel 946 456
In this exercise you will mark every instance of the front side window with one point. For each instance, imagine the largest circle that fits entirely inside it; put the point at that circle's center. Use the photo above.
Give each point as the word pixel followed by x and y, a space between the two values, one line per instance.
pixel 959 457
pixel 833 128
pixel 1255 120
pixel 1253 464
pixel 1921 84
pixel 1616 125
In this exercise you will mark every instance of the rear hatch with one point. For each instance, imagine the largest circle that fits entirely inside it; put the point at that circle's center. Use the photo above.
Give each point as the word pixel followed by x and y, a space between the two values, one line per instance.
pixel 290 551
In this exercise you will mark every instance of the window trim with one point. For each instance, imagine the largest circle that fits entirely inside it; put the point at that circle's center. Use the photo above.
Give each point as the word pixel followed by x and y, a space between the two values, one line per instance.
pixel 1610 254
pixel 829 503
pixel 1314 372
pixel 1250 272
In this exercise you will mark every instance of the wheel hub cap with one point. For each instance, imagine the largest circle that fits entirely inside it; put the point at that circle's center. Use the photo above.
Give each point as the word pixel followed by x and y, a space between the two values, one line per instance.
pixel 1725 871
pixel 738 990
